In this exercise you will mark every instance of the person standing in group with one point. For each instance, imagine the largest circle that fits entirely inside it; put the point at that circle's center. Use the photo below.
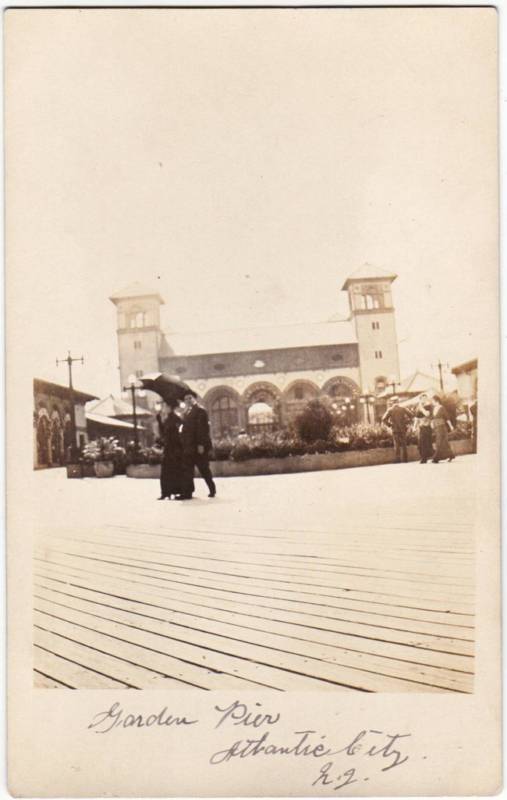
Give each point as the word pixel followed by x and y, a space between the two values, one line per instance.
pixel 424 413
pixel 398 418
pixel 441 426
pixel 196 443
pixel 172 457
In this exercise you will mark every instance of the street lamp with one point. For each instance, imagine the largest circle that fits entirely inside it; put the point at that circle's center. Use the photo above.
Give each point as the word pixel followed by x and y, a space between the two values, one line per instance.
pixel 133 385
pixel 348 407
pixel 366 400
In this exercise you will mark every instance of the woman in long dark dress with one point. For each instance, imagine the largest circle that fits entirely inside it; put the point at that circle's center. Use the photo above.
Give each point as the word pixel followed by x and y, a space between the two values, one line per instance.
pixel 424 415
pixel 171 469
pixel 441 424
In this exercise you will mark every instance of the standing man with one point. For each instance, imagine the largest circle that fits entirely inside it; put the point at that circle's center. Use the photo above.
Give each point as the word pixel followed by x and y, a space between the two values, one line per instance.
pixel 196 443
pixel 399 419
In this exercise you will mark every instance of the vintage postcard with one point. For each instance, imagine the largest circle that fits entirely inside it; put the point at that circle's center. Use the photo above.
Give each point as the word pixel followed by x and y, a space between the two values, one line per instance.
pixel 253 472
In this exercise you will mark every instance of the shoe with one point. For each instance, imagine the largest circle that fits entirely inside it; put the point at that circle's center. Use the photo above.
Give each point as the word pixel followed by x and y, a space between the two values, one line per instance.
pixel 212 492
pixel 423 461
pixel 435 461
pixel 451 458
pixel 183 497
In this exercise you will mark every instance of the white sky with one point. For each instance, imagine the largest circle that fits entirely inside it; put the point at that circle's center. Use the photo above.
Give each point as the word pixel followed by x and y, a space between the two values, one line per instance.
pixel 245 163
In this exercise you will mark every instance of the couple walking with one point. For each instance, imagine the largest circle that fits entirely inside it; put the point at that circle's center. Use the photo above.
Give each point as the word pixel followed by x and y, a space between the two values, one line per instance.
pixel 431 418
pixel 186 444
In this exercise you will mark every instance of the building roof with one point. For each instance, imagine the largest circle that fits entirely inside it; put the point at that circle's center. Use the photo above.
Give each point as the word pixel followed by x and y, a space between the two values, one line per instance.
pixel 416 383
pixel 135 289
pixel 110 422
pixel 467 366
pixel 266 337
pixel 369 273
pixel 57 390
pixel 114 407
pixel 262 362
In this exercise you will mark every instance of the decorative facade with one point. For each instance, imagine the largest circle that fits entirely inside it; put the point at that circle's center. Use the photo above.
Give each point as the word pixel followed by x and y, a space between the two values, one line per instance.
pixel 245 385
pixel 52 427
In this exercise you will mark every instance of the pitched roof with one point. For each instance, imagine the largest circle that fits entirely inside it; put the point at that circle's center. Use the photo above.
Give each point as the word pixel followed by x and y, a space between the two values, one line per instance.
pixel 262 362
pixel 467 366
pixel 268 337
pixel 135 289
pixel 110 422
pixel 369 273
pixel 115 407
pixel 416 383
pixel 56 389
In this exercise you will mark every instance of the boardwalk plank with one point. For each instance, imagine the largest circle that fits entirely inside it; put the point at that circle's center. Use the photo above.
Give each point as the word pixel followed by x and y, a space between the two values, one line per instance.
pixel 305 641
pixel 264 654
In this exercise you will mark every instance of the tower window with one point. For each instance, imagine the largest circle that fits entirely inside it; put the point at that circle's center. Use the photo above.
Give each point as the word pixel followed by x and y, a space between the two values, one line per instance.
pixel 137 319
pixel 138 345
pixel 378 353
pixel 139 373
pixel 375 326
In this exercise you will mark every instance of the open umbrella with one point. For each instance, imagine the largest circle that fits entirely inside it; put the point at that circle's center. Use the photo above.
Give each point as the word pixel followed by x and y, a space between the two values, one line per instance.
pixel 169 388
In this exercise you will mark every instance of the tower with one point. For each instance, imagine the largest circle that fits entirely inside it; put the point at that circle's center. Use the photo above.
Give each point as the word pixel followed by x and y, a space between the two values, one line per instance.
pixel 371 308
pixel 138 330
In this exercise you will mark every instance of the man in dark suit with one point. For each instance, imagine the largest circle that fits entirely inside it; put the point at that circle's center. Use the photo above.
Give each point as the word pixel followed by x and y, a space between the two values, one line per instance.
pixel 398 418
pixel 196 444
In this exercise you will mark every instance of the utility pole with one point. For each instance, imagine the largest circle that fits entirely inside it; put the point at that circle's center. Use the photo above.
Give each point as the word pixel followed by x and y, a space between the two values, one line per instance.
pixel 69 361
pixel 440 368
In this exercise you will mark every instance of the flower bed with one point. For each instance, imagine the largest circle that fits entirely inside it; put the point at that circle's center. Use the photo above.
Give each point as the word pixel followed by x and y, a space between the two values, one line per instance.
pixel 301 463
pixel 280 444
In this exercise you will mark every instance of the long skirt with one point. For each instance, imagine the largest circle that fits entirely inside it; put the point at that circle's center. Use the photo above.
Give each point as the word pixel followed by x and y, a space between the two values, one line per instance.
pixel 170 477
pixel 425 445
pixel 442 446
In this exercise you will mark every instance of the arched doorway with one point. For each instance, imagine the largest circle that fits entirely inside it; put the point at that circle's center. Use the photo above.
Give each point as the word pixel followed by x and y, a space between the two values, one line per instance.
pixel 344 394
pixel 261 418
pixel 223 406
pixel 265 396
pixel 296 397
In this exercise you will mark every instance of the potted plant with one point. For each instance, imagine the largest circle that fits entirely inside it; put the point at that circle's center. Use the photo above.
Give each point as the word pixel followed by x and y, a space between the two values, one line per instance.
pixel 100 453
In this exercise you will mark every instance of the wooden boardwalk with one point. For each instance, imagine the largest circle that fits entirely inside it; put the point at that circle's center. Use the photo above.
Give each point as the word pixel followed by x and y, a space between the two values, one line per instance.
pixel 191 600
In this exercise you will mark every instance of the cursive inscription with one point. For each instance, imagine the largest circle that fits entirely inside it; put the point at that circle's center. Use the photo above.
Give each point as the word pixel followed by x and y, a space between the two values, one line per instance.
pixel 345 756
pixel 115 717
pixel 239 714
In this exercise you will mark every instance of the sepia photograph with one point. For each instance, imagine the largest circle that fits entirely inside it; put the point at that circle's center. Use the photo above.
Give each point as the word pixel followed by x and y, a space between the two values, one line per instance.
pixel 252 275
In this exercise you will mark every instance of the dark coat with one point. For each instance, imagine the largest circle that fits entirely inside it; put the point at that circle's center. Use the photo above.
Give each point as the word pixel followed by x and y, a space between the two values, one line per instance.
pixel 172 458
pixel 195 431
pixel 398 418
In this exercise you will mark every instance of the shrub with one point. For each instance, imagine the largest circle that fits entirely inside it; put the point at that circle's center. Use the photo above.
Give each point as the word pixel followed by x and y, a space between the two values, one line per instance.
pixel 315 422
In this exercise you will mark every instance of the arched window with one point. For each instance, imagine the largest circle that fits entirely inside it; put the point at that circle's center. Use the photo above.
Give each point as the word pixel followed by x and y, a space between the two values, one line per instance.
pixel 43 441
pixel 136 318
pixel 224 416
pixel 56 439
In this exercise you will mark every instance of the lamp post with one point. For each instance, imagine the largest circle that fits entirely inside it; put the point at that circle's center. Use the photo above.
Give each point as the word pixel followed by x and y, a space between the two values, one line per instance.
pixel 348 406
pixel 366 400
pixel 133 385
pixel 393 383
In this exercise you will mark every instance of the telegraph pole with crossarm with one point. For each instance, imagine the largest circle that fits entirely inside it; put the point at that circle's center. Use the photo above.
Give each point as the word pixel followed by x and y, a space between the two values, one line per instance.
pixel 69 361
